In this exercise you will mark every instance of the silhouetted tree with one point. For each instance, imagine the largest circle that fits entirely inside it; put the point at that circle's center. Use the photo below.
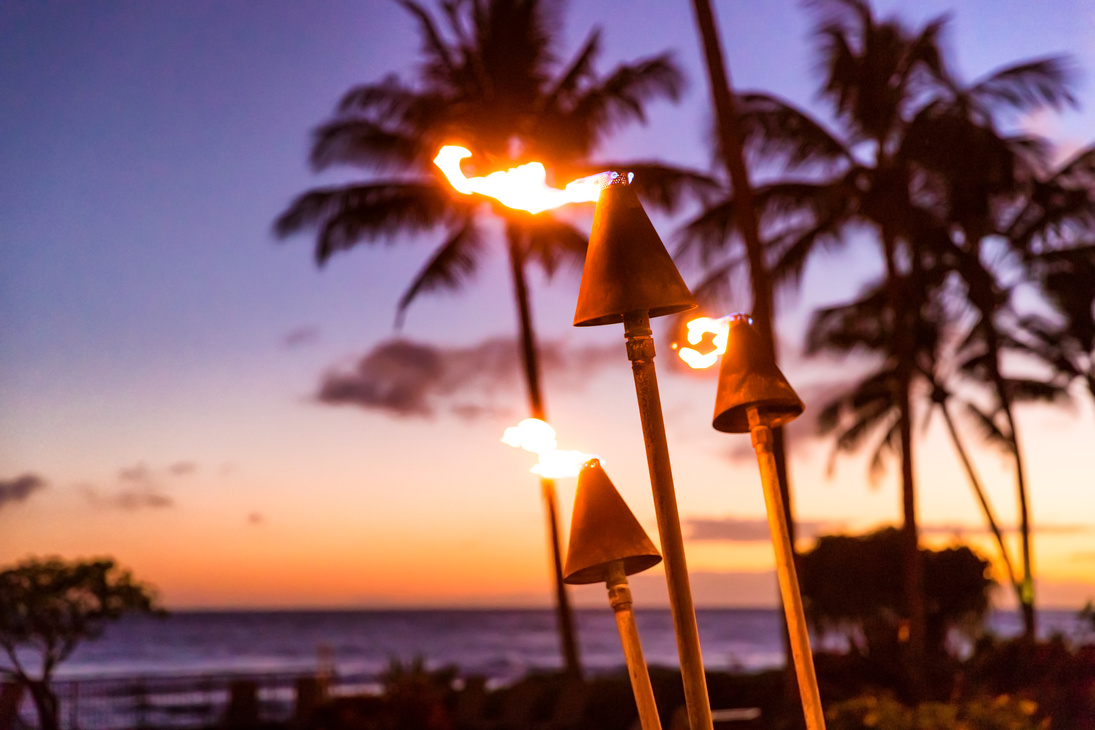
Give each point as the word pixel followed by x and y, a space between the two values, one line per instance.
pixel 490 80
pixel 49 606
pixel 851 588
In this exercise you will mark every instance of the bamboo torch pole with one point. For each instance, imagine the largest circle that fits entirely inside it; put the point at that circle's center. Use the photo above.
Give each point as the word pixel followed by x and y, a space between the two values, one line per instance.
pixel 640 351
pixel 629 277
pixel 754 396
pixel 619 597
pixel 785 569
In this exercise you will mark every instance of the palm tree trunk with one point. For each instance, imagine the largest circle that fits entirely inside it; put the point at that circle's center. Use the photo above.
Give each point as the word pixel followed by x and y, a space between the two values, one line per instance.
pixel 759 276
pixel 1026 595
pixel 913 568
pixel 530 356
pixel 975 482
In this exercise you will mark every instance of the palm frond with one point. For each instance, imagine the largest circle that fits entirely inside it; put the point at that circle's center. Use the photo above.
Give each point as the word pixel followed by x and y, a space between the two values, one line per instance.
pixel 345 216
pixel 858 325
pixel 361 143
pixel 385 100
pixel 601 109
pixel 451 266
pixel 580 68
pixel 987 427
pixel 440 63
pixel 711 231
pixel 888 445
pixel 1028 85
pixel 553 242
pixel 714 292
pixel 1027 390
pixel 798 246
pixel 775 130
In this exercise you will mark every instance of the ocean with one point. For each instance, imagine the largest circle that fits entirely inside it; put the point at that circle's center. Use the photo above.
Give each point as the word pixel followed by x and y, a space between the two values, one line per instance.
pixel 502 645
pixel 175 672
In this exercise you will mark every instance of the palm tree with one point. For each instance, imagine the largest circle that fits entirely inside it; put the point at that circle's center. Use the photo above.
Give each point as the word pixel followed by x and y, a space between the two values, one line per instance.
pixel 760 279
pixel 897 106
pixel 873 73
pixel 1055 230
pixel 972 174
pixel 867 407
pixel 489 79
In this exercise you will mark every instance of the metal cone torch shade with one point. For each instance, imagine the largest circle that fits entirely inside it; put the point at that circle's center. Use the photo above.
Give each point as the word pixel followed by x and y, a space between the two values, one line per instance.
pixel 627 268
pixel 629 278
pixel 754 397
pixel 603 530
pixel 748 378
pixel 607 544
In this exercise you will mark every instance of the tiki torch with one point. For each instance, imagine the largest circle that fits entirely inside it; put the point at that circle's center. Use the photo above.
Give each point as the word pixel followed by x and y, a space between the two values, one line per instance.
pixel 754 397
pixel 608 544
pixel 629 278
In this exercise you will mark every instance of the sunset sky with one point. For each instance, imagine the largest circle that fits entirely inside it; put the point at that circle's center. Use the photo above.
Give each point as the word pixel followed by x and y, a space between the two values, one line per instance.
pixel 161 353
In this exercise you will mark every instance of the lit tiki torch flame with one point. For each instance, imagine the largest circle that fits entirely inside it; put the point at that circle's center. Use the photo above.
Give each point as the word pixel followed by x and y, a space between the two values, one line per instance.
pixel 523 188
pixel 538 436
pixel 701 326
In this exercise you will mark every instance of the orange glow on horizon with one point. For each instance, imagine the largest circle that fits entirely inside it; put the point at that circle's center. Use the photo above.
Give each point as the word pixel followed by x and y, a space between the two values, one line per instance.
pixel 523 188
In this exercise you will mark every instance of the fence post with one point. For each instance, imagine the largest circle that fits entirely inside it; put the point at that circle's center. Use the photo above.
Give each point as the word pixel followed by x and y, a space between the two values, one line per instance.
pixel 11 695
pixel 243 704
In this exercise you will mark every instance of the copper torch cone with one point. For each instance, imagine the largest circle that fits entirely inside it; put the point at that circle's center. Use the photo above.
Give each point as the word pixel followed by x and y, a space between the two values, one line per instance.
pixel 603 530
pixel 627 268
pixel 748 378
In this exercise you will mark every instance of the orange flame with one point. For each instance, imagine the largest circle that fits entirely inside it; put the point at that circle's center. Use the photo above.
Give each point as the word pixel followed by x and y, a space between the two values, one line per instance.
pixel 523 187
pixel 701 326
pixel 537 436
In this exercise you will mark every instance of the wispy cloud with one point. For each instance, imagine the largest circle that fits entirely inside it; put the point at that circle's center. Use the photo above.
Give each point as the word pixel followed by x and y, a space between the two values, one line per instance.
pixel 300 337
pixel 20 488
pixel 953 528
pixel 745 529
pixel 412 379
pixel 129 500
pixel 138 473
pixel 140 487
pixel 182 468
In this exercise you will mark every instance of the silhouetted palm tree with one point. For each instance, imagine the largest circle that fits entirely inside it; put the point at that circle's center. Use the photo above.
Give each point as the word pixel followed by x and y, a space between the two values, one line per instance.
pixel 972 177
pixel 891 171
pixel 491 81
pixel 1056 232
pixel 867 407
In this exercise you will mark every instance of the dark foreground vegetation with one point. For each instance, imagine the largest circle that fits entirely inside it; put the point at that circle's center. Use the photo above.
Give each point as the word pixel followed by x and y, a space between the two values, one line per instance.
pixel 1012 684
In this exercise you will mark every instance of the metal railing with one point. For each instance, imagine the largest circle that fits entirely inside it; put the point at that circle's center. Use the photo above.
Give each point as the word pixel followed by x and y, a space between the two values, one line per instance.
pixel 186 701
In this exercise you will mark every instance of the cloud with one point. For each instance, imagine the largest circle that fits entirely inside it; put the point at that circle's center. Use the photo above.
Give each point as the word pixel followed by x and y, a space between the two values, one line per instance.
pixel 130 500
pixel 983 529
pixel 413 379
pixel 20 488
pixel 300 337
pixel 256 518
pixel 182 468
pixel 139 488
pixel 737 529
pixel 139 473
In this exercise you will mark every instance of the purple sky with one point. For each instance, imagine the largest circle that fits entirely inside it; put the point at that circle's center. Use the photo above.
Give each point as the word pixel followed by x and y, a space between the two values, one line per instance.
pixel 159 351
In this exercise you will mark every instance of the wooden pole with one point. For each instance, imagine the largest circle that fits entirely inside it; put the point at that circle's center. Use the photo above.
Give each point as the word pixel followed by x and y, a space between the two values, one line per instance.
pixel 563 613
pixel 785 570
pixel 619 597
pixel 640 351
